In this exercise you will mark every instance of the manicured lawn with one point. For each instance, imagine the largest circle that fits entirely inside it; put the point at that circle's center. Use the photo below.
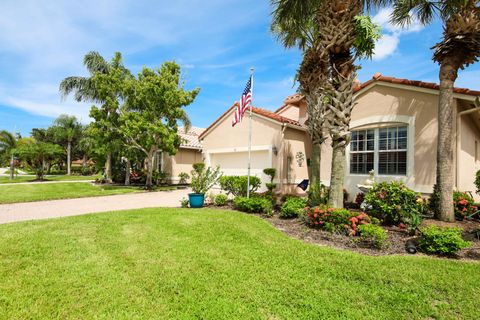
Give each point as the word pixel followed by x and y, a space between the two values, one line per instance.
pixel 212 264
pixel 5 179
pixel 38 192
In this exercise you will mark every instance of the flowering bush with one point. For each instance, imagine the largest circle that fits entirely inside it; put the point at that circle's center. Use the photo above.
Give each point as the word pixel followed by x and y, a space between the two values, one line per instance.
pixel 336 220
pixel 394 203
pixel 464 206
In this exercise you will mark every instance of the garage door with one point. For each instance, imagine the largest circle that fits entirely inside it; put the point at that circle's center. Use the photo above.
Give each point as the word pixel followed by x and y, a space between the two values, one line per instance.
pixel 235 163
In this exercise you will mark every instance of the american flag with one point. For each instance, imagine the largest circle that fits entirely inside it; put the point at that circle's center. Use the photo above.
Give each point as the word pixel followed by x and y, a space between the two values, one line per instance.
pixel 245 102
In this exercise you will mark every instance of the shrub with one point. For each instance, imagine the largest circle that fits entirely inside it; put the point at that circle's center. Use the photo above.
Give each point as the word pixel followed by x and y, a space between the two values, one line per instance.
pixel 270 172
pixel 221 200
pixel 317 195
pixel 292 207
pixel 359 198
pixel 183 177
pixel 373 235
pixel 444 241
pixel 203 179
pixel 237 185
pixel 463 205
pixel 253 205
pixel 477 181
pixel 393 203
pixel 336 220
pixel 184 203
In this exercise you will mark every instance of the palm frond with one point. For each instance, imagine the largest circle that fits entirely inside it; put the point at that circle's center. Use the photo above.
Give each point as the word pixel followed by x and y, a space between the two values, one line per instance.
pixel 95 63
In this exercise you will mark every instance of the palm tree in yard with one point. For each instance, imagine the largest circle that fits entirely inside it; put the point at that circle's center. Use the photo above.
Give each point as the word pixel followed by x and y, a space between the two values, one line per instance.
pixel 459 47
pixel 341 35
pixel 8 142
pixel 67 130
pixel 301 31
pixel 85 90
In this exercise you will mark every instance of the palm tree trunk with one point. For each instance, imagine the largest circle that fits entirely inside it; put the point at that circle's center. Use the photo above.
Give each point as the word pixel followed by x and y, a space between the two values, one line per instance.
pixel 337 178
pixel 445 173
pixel 69 155
pixel 12 169
pixel 315 163
pixel 108 168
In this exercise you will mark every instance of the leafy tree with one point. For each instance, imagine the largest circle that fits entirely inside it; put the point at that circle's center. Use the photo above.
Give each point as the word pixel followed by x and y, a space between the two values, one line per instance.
pixel 67 130
pixel 459 47
pixel 8 142
pixel 154 103
pixel 102 86
pixel 35 154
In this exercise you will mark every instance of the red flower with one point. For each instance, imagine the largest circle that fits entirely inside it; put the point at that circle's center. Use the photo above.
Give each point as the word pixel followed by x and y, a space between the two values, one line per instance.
pixel 402 226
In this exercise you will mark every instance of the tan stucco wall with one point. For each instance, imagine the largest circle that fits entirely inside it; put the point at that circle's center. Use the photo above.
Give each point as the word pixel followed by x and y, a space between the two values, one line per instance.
pixel 291 112
pixel 469 144
pixel 292 171
pixel 181 162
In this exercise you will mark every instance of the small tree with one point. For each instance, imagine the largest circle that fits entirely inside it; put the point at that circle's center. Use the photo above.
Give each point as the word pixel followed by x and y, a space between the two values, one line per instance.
pixel 8 142
pixel 36 154
pixel 271 172
pixel 154 103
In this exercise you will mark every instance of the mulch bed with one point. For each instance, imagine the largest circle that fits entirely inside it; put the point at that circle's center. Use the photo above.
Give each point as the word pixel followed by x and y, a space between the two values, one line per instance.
pixel 397 237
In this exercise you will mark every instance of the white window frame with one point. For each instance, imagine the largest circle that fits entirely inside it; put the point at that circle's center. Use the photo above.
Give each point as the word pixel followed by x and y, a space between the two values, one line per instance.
pixel 386 121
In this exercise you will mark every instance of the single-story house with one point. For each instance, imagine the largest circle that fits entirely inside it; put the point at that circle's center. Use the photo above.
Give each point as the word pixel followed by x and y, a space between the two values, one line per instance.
pixel 190 152
pixel 394 133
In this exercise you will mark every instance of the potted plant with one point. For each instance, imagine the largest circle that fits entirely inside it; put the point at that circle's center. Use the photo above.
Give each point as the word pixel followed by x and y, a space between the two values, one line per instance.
pixel 202 180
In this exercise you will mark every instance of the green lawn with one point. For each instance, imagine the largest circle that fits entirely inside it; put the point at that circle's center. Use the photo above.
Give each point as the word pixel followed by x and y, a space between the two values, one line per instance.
pixel 38 192
pixel 212 264
pixel 28 178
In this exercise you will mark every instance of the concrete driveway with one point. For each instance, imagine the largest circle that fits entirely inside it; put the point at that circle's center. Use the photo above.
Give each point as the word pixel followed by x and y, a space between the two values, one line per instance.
pixel 73 207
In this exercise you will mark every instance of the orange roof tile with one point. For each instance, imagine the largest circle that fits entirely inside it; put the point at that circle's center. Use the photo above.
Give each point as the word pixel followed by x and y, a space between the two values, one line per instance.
pixel 415 83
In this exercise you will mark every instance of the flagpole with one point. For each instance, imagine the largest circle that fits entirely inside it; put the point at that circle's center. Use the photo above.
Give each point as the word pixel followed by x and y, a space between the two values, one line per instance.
pixel 250 135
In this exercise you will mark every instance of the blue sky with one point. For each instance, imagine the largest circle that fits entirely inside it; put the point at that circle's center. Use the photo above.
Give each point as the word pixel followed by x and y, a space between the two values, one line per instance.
pixel 215 41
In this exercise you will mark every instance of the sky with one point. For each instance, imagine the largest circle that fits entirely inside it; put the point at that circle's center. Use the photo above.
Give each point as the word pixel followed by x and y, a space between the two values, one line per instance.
pixel 216 42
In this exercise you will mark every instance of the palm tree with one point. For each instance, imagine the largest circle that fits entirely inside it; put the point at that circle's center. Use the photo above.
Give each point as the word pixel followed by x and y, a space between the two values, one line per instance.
pixel 85 89
pixel 301 31
pixel 460 47
pixel 8 142
pixel 340 35
pixel 67 130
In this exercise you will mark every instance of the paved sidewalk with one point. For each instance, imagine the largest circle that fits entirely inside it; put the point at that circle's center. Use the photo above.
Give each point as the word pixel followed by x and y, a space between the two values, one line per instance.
pixel 73 207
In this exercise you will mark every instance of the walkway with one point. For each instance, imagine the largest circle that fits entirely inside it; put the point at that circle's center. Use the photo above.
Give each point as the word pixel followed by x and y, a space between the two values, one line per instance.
pixel 73 207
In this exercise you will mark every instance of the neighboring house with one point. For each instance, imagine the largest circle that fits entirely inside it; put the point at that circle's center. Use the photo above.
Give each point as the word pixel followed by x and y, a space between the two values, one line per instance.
pixel 190 152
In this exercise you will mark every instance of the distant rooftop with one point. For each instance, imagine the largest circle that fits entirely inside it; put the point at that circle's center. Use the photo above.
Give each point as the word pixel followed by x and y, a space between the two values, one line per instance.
pixel 190 138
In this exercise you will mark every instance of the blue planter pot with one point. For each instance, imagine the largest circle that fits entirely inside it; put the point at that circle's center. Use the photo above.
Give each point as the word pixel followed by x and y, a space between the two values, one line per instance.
pixel 196 200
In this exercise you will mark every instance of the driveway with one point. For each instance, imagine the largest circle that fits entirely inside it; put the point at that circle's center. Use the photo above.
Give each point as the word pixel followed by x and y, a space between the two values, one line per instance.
pixel 73 207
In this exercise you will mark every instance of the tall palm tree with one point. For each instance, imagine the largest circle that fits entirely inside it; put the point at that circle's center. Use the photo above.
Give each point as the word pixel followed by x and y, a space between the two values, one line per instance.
pixel 84 89
pixel 294 25
pixel 67 129
pixel 8 142
pixel 340 36
pixel 460 47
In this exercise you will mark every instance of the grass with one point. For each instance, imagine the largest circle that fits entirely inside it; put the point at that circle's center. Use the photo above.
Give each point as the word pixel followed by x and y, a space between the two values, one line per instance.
pixel 212 264
pixel 29 178
pixel 52 191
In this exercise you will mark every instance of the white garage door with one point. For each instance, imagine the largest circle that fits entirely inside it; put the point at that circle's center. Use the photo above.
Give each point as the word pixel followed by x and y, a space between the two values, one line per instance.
pixel 235 163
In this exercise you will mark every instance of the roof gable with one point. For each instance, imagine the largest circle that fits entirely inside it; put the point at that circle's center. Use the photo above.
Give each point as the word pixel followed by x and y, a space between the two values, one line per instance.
pixel 263 113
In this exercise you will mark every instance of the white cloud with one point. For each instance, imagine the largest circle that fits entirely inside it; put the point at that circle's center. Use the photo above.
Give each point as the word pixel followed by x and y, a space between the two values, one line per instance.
pixel 388 44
